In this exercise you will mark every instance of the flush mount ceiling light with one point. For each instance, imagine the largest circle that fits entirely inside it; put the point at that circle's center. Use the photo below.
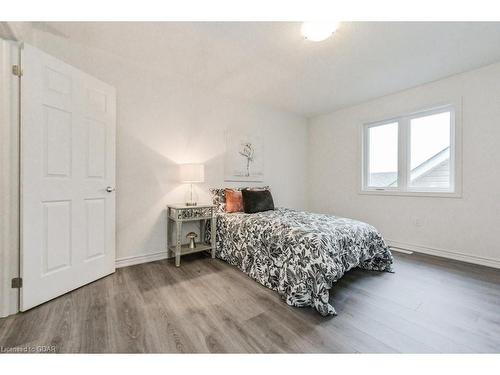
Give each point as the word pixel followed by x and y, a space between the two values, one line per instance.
pixel 318 31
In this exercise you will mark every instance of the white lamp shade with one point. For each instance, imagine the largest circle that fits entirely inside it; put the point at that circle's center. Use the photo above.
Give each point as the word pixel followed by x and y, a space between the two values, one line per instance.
pixel 190 173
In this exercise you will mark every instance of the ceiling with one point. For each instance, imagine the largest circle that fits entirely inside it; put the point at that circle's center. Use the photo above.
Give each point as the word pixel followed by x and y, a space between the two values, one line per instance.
pixel 270 63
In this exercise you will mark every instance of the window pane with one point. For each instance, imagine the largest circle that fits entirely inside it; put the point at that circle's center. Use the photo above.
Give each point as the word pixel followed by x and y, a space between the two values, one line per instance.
pixel 430 151
pixel 383 155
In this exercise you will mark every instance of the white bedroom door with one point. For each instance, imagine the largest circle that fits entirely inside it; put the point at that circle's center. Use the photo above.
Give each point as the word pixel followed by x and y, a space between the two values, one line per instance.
pixel 67 178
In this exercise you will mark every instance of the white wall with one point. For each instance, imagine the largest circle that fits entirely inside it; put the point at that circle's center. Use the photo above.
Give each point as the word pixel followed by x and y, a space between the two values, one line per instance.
pixel 467 227
pixel 162 122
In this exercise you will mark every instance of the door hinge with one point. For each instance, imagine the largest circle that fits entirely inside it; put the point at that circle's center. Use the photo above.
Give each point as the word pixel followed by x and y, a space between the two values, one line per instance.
pixel 17 282
pixel 17 71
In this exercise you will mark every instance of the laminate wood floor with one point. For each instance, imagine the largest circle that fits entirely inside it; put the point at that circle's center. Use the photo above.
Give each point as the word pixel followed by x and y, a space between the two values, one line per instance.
pixel 428 305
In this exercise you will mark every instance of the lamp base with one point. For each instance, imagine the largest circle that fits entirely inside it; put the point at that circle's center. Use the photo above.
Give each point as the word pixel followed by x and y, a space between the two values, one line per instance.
pixel 191 197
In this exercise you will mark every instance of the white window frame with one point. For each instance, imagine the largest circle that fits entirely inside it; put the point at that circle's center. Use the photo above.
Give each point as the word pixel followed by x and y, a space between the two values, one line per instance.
pixel 404 152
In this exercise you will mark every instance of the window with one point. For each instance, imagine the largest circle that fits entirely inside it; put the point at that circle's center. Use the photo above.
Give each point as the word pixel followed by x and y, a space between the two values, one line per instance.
pixel 411 154
pixel 383 155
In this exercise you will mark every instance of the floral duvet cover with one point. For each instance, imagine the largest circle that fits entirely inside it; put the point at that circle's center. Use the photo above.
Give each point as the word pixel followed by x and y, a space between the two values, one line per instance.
pixel 299 254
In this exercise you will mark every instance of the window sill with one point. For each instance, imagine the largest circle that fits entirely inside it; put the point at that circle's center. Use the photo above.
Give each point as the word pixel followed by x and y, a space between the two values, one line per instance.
pixel 435 194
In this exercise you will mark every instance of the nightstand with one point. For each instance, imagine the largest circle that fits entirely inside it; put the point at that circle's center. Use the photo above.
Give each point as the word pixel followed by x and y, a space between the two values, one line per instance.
pixel 177 214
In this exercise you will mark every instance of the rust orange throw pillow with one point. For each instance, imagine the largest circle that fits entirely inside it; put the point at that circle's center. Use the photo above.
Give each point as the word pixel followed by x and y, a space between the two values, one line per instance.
pixel 234 200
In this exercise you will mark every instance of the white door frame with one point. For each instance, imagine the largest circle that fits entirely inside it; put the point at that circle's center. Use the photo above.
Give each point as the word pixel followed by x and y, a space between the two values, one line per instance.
pixel 9 183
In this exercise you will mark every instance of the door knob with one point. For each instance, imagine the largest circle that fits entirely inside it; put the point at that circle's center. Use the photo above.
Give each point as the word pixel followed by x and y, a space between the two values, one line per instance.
pixel 109 189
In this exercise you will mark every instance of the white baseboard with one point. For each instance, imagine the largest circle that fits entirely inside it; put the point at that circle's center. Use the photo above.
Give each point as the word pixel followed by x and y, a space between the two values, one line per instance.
pixel 402 247
pixel 141 258
pixel 402 251
pixel 489 262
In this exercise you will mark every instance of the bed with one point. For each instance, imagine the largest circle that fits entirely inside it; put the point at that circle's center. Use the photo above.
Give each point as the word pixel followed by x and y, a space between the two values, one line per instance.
pixel 298 254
